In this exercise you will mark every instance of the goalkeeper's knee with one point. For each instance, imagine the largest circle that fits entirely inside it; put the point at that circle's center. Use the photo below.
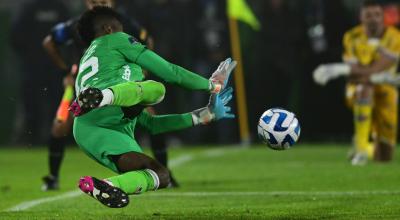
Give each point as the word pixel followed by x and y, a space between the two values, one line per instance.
pixel 152 92
pixel 132 93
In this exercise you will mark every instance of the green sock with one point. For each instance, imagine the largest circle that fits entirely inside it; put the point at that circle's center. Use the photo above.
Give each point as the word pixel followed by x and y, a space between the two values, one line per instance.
pixel 136 182
pixel 131 93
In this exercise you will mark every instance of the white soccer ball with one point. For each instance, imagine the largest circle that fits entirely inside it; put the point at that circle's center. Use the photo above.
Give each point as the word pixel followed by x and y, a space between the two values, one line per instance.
pixel 279 128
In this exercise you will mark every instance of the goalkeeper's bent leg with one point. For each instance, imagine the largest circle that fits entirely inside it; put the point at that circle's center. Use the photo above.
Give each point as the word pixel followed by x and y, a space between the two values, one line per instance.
pixel 140 173
pixel 136 182
pixel 132 93
pixel 124 95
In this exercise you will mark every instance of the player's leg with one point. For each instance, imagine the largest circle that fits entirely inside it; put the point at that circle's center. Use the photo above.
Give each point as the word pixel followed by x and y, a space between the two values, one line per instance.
pixel 385 122
pixel 159 147
pixel 350 99
pixel 125 94
pixel 383 151
pixel 362 113
pixel 56 149
pixel 132 162
pixel 139 173
pixel 115 148
pixel 131 93
pixel 62 125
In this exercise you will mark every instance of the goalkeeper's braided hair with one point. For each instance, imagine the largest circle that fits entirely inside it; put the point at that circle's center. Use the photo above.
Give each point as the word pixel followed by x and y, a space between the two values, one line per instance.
pixel 92 21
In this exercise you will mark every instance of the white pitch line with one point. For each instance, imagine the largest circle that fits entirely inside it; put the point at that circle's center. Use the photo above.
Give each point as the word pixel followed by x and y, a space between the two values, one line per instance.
pixel 215 153
pixel 75 193
pixel 72 194
pixel 32 203
pixel 272 193
pixel 180 160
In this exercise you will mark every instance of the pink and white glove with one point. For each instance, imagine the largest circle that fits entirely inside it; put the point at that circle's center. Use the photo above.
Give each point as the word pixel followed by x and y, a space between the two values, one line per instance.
pixel 219 79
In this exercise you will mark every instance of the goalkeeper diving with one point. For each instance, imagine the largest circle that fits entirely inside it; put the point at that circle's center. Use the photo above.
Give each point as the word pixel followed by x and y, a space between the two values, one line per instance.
pixel 111 98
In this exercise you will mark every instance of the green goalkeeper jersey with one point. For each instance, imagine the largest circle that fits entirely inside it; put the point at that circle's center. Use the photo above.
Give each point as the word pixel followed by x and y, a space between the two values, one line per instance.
pixel 117 58
pixel 112 60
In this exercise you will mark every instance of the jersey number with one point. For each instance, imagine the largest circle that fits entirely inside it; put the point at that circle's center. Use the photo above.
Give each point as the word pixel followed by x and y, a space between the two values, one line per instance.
pixel 92 62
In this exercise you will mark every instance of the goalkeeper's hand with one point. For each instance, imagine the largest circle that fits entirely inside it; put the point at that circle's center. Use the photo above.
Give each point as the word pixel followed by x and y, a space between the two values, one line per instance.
pixel 385 78
pixel 218 104
pixel 326 72
pixel 216 109
pixel 219 79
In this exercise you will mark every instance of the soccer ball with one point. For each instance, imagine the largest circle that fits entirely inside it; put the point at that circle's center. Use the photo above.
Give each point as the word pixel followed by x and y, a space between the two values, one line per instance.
pixel 279 128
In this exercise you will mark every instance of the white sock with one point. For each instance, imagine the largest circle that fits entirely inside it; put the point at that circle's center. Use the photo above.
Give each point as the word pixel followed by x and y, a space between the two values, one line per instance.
pixel 108 97
pixel 155 177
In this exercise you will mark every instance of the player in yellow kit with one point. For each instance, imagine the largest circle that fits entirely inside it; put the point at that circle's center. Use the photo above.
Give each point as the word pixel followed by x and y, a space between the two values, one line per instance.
pixel 371 52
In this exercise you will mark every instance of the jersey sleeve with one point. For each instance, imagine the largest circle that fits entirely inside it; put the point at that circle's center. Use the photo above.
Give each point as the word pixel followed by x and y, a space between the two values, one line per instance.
pixel 392 48
pixel 157 124
pixel 62 32
pixel 172 73
pixel 348 49
pixel 137 53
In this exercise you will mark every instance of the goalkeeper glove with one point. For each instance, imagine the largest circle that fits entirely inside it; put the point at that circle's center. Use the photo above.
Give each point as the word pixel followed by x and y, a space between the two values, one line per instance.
pixel 326 72
pixel 219 79
pixel 216 109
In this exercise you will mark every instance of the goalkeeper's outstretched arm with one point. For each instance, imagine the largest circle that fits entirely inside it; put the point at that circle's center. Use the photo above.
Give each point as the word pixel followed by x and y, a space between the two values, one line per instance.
pixel 216 109
pixel 172 73
pixel 175 74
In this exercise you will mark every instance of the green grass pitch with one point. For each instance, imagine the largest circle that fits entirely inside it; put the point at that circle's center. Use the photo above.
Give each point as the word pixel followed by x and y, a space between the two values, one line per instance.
pixel 306 182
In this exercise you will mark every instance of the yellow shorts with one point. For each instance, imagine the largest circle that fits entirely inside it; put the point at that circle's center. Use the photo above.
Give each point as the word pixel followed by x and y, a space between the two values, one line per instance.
pixel 384 113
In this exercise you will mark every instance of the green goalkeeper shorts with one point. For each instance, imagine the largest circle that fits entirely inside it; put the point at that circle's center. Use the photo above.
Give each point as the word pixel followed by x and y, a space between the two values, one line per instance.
pixel 104 132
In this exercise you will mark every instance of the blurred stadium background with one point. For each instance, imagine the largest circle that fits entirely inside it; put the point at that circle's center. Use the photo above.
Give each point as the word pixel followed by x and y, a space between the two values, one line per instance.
pixel 278 59
pixel 312 181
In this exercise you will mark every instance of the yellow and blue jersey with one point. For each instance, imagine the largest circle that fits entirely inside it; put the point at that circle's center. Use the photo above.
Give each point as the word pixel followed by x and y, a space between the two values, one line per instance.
pixel 358 48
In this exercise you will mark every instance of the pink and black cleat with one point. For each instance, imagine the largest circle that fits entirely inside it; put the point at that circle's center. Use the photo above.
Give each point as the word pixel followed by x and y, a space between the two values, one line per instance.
pixel 105 193
pixel 87 100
